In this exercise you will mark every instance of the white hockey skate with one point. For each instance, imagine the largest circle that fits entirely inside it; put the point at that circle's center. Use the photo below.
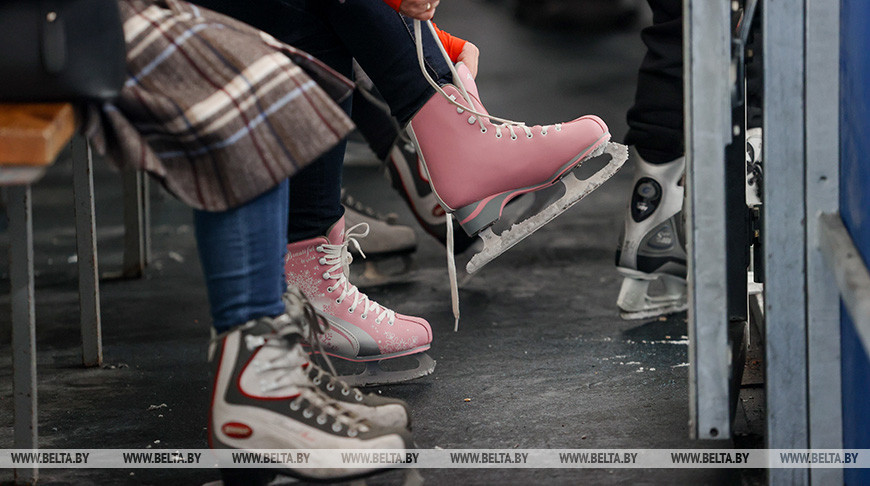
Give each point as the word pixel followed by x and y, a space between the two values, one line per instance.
pixel 653 247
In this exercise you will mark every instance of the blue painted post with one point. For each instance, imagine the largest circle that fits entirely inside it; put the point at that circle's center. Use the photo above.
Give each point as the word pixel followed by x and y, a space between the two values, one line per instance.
pixel 855 210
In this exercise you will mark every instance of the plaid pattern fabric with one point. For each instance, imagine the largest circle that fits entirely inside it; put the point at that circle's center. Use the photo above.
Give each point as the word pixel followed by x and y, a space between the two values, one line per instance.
pixel 216 109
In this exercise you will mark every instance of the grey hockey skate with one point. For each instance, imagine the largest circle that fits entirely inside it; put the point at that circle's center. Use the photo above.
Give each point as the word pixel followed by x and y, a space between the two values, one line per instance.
pixel 264 398
pixel 653 245
pixel 387 251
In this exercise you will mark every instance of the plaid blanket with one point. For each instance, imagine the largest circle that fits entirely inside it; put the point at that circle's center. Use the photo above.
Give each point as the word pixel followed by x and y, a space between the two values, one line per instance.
pixel 217 110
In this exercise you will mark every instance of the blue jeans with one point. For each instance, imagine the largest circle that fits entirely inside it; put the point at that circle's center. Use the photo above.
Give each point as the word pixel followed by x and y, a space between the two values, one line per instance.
pixel 242 255
pixel 336 32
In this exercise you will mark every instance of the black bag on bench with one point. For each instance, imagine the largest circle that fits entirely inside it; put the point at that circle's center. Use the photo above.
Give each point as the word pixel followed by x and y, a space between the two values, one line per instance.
pixel 60 50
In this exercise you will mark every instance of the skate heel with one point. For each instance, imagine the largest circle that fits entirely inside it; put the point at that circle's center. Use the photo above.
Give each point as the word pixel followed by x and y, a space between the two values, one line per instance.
pixel 633 294
pixel 478 216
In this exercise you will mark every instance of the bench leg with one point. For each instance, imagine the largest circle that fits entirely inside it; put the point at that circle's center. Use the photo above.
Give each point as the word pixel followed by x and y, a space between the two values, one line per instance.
pixel 23 325
pixel 137 216
pixel 86 244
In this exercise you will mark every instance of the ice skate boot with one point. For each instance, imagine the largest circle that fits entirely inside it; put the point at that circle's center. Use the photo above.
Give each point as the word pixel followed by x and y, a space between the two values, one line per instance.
pixel 653 246
pixel 380 411
pixel 263 398
pixel 360 330
pixel 476 163
pixel 387 250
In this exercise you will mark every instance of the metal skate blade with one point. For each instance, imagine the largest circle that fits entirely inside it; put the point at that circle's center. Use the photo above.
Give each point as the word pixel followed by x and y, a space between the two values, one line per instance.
pixel 575 190
pixel 653 312
pixel 376 373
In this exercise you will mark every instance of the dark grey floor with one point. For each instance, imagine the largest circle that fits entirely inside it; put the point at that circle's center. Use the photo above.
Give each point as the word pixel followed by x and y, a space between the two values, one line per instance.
pixel 540 353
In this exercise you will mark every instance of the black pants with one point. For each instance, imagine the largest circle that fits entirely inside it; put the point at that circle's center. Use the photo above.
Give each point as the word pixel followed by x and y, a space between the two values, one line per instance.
pixel 656 119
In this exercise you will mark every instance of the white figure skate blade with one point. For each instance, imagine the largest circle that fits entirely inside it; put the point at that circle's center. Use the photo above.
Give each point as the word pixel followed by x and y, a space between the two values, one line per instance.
pixel 575 190
pixel 376 373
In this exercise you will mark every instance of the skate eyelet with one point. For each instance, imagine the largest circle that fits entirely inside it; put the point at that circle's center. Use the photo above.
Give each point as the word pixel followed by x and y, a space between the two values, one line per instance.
pixel 321 419
pixel 543 133
pixel 317 381
pixel 513 137
pixel 460 110
pixel 471 120
pixel 325 275
pixel 307 413
pixel 350 310
pixel 294 406
pixel 345 391
pixel 338 301
pixel 329 289
pixel 319 248
pixel 363 316
pixel 322 260
pixel 378 321
pixel 558 129
pixel 336 427
pixel 528 135
pixel 330 386
pixel 352 433
pixel 483 130
pixel 497 134
pixel 359 398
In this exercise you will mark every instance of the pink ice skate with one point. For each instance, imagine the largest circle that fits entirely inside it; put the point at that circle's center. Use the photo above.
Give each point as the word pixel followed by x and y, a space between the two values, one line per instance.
pixel 476 163
pixel 360 330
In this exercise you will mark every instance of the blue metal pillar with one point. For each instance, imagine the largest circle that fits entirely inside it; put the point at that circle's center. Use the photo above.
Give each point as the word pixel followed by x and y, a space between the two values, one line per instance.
pixel 855 210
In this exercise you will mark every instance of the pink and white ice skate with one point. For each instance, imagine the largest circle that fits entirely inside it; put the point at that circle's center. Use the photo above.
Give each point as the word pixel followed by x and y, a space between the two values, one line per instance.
pixel 476 163
pixel 360 330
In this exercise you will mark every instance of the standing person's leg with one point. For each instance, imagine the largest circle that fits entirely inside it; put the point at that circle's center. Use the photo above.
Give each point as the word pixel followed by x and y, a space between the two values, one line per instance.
pixel 656 119
pixel 652 245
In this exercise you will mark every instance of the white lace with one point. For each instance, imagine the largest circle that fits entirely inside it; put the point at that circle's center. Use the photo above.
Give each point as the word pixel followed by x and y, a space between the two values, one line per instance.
pixel 313 326
pixel 457 81
pixel 340 258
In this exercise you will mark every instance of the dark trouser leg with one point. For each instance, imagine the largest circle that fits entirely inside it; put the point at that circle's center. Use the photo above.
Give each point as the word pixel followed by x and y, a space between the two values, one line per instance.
pixel 656 119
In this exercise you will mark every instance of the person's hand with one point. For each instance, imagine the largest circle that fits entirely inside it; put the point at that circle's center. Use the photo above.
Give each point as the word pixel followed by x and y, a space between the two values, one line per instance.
pixel 470 55
pixel 419 9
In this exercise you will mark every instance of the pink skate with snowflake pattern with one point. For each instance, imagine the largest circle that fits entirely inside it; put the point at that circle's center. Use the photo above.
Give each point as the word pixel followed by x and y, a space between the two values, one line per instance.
pixel 360 330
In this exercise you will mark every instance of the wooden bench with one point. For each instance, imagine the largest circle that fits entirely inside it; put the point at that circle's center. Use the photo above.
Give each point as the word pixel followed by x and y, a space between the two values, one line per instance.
pixel 31 137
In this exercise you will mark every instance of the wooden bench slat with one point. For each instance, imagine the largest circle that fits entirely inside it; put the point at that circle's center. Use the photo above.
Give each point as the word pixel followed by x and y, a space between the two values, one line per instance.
pixel 33 134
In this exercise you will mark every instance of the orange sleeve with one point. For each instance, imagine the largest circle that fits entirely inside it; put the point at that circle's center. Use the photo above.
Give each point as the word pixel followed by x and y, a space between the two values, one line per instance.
pixel 394 3
pixel 453 45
